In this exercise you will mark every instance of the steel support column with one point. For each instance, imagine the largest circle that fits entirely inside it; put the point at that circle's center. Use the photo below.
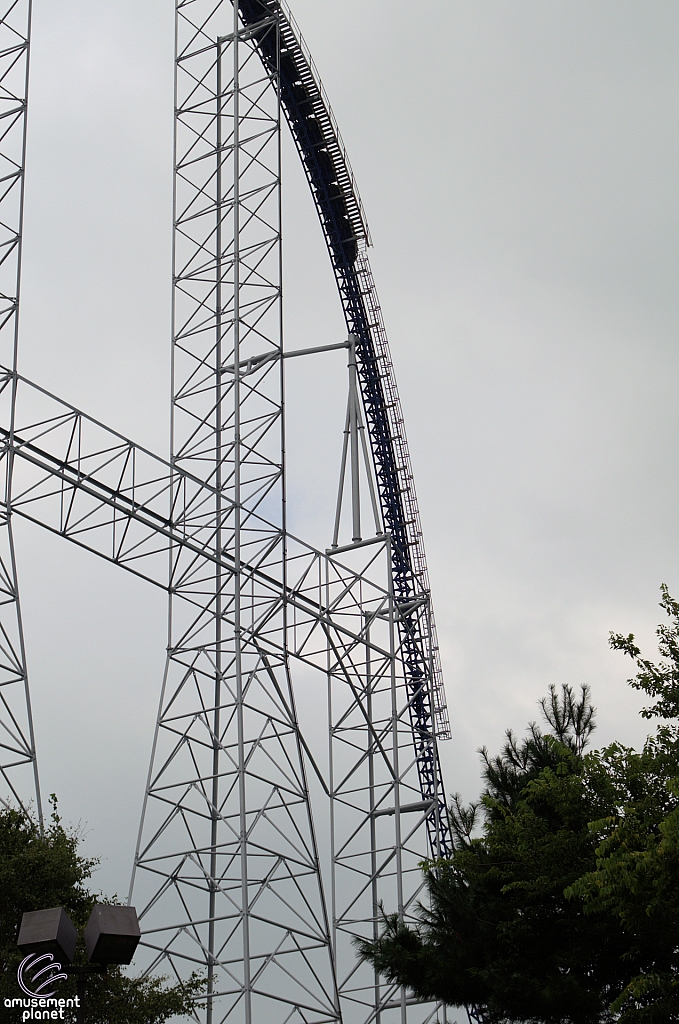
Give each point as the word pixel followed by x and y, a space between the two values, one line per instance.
pixel 227 871
pixel 18 762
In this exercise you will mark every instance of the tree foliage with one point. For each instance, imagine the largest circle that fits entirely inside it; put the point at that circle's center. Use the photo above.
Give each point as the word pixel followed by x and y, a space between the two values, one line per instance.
pixel 41 869
pixel 499 931
pixel 560 902
pixel 636 878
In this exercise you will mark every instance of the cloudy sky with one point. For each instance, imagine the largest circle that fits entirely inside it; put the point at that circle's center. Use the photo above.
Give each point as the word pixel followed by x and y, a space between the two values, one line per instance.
pixel 518 163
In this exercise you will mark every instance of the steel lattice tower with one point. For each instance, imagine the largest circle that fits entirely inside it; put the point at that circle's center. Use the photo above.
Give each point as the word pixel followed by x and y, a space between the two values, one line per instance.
pixel 17 744
pixel 230 876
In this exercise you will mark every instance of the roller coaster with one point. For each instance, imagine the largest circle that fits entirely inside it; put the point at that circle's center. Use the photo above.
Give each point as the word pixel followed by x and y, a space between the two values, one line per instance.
pixel 232 873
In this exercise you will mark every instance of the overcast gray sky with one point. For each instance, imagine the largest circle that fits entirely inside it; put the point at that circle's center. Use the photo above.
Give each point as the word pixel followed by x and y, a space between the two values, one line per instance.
pixel 518 163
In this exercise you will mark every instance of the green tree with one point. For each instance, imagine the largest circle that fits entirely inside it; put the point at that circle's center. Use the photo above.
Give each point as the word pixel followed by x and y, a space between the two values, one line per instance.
pixel 41 869
pixel 566 907
pixel 636 878
pixel 499 931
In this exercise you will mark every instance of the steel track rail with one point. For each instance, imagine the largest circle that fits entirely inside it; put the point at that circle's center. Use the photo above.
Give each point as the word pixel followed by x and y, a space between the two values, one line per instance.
pixel 346 233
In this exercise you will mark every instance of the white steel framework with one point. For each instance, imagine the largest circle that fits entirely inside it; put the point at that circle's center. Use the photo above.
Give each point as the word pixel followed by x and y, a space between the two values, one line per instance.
pixel 18 763
pixel 227 840
pixel 230 874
